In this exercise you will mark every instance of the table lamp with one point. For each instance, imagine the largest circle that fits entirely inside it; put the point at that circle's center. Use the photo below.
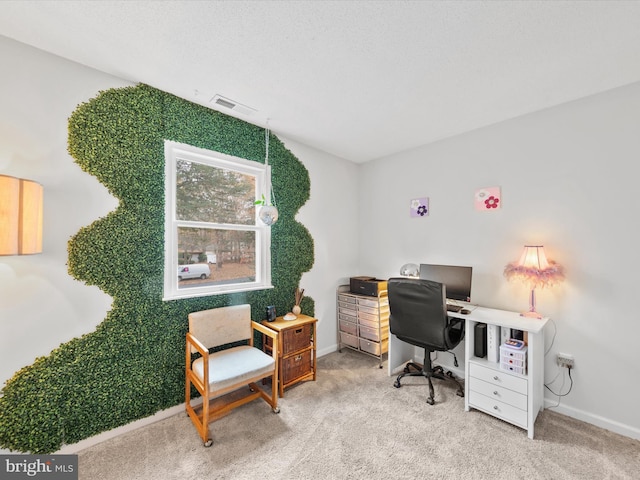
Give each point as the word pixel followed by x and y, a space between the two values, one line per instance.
pixel 535 270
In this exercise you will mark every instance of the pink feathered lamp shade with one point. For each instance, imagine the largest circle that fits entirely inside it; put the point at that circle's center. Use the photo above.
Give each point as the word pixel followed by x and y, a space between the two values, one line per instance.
pixel 535 270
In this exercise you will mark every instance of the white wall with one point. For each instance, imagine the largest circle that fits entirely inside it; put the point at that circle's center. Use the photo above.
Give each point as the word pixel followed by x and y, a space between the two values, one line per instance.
pixel 329 215
pixel 568 182
pixel 41 306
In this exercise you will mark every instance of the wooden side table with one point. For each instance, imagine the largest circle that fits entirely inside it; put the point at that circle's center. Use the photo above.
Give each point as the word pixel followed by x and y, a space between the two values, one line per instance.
pixel 296 349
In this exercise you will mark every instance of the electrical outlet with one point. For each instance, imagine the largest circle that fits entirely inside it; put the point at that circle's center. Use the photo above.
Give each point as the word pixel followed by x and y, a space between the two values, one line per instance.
pixel 565 360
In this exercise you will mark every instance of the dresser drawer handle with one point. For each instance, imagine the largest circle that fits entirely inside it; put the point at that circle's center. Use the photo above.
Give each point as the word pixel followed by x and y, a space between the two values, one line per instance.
pixel 298 358
pixel 298 331
pixel 495 393
pixel 496 378
pixel 495 407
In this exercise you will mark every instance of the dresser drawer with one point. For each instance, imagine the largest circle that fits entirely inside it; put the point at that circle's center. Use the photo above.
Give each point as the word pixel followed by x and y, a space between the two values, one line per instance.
pixel 368 320
pixel 296 366
pixel 373 333
pixel 368 310
pixel 294 339
pixel 368 302
pixel 348 327
pixel 374 348
pixel 347 298
pixel 498 409
pixel 498 377
pixel 347 311
pixel 495 392
pixel 348 339
pixel 347 318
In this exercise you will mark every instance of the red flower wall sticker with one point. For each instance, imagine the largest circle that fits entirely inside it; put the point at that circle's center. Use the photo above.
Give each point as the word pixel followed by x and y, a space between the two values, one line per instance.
pixel 487 199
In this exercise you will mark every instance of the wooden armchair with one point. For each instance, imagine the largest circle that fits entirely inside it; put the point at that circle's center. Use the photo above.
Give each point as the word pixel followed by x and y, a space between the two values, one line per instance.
pixel 219 376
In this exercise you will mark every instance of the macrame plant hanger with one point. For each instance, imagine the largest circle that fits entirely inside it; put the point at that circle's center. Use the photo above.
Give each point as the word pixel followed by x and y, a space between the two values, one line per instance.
pixel 268 213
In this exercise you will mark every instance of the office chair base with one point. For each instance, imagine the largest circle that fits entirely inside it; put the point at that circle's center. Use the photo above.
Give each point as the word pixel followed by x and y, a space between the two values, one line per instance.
pixel 435 372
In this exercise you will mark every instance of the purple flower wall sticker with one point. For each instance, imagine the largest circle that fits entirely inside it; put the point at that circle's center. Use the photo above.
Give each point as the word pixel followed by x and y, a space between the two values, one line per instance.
pixel 419 207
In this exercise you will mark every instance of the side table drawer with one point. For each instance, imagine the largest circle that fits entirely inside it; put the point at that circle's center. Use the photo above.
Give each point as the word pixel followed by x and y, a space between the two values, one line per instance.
pixel 498 377
pixel 498 409
pixel 296 366
pixel 294 339
pixel 502 394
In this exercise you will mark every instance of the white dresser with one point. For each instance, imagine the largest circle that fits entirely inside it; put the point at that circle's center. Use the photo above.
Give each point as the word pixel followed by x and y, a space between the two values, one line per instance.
pixel 516 398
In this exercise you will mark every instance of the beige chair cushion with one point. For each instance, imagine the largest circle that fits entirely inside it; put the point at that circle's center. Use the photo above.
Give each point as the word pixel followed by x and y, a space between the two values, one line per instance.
pixel 232 366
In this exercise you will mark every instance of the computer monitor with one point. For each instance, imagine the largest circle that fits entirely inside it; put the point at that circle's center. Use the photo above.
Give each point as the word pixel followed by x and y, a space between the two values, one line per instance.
pixel 457 279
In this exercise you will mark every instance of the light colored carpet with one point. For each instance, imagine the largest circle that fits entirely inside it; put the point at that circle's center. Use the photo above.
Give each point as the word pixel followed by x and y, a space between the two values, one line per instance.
pixel 352 423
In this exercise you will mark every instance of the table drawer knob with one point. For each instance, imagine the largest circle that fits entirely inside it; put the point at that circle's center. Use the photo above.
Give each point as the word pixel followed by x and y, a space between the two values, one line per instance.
pixel 495 392
pixel 496 378
pixel 495 407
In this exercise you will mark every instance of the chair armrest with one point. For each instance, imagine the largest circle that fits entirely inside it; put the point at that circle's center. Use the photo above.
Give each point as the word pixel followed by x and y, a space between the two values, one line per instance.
pixel 269 333
pixel 192 341
pixel 455 321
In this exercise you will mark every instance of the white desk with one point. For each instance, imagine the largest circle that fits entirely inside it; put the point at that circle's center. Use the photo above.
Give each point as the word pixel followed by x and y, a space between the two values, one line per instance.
pixel 511 397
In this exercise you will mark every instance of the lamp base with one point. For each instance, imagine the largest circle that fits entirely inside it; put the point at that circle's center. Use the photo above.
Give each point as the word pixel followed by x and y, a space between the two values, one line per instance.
pixel 531 314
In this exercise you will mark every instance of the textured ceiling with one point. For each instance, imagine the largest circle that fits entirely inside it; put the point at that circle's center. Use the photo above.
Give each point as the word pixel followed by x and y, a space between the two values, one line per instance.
pixel 358 79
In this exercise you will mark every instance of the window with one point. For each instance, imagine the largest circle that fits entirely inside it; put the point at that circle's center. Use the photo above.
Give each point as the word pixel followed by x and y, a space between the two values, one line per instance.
pixel 214 242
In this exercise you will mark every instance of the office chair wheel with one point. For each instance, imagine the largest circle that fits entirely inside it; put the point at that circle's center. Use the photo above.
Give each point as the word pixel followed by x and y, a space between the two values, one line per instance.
pixel 460 393
pixel 276 410
pixel 208 443
pixel 430 401
pixel 397 384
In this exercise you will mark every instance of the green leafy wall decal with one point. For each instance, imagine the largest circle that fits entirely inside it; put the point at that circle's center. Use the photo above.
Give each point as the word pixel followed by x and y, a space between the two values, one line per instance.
pixel 133 364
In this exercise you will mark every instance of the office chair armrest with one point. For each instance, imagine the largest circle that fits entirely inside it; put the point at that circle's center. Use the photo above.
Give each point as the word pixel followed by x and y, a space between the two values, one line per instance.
pixel 454 333
pixel 455 322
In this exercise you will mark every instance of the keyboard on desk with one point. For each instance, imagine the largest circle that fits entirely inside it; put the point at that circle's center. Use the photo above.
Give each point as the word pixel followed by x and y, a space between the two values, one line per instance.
pixel 453 308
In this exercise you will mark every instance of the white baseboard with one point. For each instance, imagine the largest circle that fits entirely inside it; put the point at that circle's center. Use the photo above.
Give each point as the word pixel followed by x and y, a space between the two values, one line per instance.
pixel 104 436
pixel 327 350
pixel 596 420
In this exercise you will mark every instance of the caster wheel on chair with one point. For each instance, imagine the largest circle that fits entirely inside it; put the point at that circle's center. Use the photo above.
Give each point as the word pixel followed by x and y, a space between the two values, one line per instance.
pixel 397 384
pixel 208 443
pixel 276 410
pixel 430 401
pixel 460 393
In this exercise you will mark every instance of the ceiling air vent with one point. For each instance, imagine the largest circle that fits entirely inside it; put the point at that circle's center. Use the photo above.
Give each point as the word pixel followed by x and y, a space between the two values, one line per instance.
pixel 221 101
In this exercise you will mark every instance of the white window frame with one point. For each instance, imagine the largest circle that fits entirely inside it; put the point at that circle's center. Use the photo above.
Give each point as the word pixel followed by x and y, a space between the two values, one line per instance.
pixel 174 151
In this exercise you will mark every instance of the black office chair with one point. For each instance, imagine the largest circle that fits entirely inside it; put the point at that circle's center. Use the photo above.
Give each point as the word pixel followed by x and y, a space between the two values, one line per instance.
pixel 418 315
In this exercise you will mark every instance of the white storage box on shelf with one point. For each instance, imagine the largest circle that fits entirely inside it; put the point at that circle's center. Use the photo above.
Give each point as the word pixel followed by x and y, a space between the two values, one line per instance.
pixel 513 360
